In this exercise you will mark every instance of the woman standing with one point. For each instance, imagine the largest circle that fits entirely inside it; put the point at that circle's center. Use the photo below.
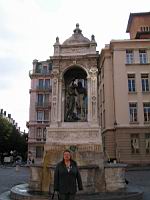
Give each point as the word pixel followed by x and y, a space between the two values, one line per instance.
pixel 66 177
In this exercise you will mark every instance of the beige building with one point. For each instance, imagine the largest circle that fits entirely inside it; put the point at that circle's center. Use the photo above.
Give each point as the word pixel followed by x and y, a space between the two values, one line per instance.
pixel 122 98
pixel 124 106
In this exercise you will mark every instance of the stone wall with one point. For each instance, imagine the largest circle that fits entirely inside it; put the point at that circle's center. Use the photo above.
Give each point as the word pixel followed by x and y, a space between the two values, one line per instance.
pixel 115 177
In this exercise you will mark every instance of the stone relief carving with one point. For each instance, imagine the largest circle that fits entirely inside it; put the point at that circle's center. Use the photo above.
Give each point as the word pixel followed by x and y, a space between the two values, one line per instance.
pixel 55 76
pixel 72 136
pixel 93 72
pixel 54 86
pixel 93 110
pixel 74 50
pixel 55 73
pixel 54 111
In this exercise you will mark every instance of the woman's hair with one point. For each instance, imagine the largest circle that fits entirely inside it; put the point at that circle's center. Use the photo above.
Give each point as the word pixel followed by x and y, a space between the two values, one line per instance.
pixel 67 150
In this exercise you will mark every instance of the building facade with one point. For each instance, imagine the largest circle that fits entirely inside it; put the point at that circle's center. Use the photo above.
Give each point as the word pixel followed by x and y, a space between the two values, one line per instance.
pixel 40 106
pixel 123 93
pixel 124 107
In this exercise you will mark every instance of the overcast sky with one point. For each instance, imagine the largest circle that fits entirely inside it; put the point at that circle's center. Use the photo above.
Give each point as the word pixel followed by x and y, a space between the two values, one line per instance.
pixel 28 29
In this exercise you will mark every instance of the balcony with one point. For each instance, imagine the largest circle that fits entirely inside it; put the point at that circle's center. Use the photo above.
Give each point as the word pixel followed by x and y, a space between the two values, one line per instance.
pixel 40 139
pixel 37 140
pixel 44 88
pixel 43 121
pixel 42 105
pixel 36 123
pixel 37 73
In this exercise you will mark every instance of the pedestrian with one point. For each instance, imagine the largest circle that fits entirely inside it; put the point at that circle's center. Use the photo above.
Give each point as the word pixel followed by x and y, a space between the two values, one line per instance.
pixel 66 177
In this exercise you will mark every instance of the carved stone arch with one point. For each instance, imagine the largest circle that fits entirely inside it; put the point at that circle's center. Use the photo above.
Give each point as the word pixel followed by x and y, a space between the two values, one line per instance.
pixel 72 66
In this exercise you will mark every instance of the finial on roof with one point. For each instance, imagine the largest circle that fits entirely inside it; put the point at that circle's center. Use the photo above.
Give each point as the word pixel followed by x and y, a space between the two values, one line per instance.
pixel 92 38
pixel 77 25
pixel 77 29
pixel 57 39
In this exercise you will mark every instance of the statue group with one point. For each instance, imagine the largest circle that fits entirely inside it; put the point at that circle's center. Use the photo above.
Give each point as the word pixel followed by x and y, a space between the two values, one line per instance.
pixel 76 101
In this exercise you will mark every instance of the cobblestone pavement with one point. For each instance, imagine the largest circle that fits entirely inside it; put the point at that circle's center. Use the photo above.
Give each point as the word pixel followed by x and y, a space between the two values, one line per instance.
pixel 138 178
pixel 10 177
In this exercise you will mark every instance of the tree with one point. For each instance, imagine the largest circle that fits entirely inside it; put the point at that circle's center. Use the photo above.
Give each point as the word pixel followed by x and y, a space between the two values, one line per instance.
pixel 11 139
pixel 5 132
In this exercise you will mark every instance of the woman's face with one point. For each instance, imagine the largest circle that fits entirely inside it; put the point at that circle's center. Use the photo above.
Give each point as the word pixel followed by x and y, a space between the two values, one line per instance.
pixel 67 156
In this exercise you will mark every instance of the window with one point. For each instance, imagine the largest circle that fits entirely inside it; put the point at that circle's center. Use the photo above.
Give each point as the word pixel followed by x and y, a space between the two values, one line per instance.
pixel 135 143
pixel 146 108
pixel 50 66
pixel 47 83
pixel 39 134
pixel 133 112
pixel 145 82
pixel 145 28
pixel 43 116
pixel 147 142
pixel 143 56
pixel 129 56
pixel 131 82
pixel 44 134
pixel 45 70
pixel 46 115
pixel 39 116
pixel 46 99
pixel 44 84
pixel 38 68
pixel 41 83
pixel 39 151
pixel 42 99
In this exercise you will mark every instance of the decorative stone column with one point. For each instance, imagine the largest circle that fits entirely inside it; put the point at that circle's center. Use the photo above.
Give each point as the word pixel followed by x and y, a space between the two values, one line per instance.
pixel 92 95
pixel 55 97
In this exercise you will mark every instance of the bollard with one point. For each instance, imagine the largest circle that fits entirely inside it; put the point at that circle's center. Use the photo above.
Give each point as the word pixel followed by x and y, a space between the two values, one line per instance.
pixel 17 168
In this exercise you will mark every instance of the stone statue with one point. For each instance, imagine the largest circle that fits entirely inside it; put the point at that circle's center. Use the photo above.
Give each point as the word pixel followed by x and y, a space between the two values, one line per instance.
pixel 57 39
pixel 81 100
pixel 71 114
pixel 76 102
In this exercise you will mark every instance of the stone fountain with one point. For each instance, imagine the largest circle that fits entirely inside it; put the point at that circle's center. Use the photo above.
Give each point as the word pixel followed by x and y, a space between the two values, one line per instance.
pixel 74 125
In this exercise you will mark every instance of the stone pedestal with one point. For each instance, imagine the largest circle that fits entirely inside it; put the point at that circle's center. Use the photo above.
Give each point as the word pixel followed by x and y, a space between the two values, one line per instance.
pixel 35 177
pixel 115 176
pixel 86 146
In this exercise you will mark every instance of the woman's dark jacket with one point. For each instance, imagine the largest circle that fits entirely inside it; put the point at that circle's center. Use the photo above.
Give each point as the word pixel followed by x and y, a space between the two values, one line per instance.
pixel 66 182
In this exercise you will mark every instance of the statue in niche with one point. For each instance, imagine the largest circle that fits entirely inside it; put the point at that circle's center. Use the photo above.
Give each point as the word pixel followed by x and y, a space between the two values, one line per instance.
pixel 76 101
pixel 81 100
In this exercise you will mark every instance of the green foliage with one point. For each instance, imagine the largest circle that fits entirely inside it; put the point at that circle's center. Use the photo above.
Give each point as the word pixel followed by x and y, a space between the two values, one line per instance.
pixel 11 139
pixel 5 132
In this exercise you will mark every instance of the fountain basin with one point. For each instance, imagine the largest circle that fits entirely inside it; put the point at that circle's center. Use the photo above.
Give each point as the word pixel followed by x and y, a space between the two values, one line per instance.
pixel 22 191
